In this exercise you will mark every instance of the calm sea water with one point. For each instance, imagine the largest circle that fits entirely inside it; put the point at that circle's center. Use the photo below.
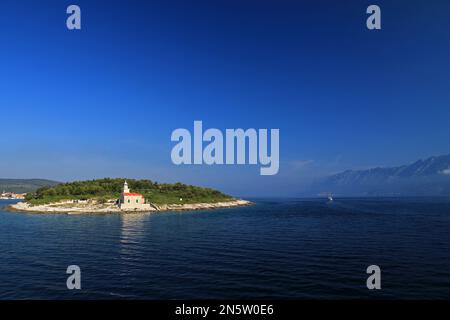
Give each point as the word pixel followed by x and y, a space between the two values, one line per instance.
pixel 275 249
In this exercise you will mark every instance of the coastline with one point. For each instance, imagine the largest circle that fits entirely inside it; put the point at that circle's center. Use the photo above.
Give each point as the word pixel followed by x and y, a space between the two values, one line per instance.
pixel 93 208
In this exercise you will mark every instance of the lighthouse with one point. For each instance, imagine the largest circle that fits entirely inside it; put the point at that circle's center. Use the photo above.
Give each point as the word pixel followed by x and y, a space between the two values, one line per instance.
pixel 130 201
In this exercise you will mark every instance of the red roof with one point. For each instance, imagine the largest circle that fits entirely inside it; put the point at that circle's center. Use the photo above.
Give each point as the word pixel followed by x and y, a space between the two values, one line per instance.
pixel 133 194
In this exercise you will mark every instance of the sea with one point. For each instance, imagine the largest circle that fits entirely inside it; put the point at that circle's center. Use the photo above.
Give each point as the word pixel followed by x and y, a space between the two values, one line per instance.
pixel 274 249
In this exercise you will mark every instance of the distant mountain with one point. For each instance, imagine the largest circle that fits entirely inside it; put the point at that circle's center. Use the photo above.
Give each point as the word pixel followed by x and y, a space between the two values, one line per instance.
pixel 24 185
pixel 427 177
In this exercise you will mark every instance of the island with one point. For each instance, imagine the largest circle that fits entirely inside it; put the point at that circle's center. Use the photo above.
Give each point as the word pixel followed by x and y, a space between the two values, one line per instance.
pixel 122 196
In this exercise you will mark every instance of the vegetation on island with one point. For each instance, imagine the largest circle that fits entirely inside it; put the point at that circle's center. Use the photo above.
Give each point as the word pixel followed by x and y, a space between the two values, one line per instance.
pixel 109 189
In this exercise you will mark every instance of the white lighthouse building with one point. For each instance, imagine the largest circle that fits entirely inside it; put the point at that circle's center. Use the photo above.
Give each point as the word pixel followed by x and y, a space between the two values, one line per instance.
pixel 132 201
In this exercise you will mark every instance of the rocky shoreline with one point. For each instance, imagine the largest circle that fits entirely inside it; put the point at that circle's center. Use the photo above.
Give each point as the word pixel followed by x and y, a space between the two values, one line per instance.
pixel 70 207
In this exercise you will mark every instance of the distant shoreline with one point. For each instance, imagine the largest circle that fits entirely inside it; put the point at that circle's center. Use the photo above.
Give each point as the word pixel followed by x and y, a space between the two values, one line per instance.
pixel 71 208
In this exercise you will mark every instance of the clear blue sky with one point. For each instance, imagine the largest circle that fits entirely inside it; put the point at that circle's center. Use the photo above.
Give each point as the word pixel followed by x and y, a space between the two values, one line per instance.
pixel 103 101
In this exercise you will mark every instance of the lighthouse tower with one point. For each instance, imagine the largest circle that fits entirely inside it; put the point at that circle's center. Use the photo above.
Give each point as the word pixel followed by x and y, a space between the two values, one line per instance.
pixel 125 187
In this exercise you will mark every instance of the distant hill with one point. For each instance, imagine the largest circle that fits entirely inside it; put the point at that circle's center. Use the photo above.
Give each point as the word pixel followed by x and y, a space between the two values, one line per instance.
pixel 429 177
pixel 24 185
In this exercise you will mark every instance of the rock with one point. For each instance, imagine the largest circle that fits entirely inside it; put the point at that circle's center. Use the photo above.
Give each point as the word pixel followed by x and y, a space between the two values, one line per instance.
pixel 86 208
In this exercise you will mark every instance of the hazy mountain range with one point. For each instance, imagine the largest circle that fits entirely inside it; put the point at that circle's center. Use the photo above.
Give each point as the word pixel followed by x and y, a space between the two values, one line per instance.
pixel 429 177
pixel 24 185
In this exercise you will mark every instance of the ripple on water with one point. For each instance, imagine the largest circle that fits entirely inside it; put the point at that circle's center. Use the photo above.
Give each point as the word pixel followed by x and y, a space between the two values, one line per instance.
pixel 275 249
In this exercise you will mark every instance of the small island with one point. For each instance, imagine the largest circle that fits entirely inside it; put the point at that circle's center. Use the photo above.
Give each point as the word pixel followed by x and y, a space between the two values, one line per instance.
pixel 122 196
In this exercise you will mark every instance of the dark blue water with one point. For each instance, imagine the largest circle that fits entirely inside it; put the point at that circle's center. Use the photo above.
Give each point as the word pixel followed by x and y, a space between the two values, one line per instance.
pixel 275 249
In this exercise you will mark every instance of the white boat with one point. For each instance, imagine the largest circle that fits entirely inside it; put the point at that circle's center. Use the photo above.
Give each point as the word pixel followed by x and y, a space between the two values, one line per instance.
pixel 330 197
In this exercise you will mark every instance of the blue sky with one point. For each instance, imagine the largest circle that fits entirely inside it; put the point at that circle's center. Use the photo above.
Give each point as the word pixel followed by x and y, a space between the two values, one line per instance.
pixel 104 100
